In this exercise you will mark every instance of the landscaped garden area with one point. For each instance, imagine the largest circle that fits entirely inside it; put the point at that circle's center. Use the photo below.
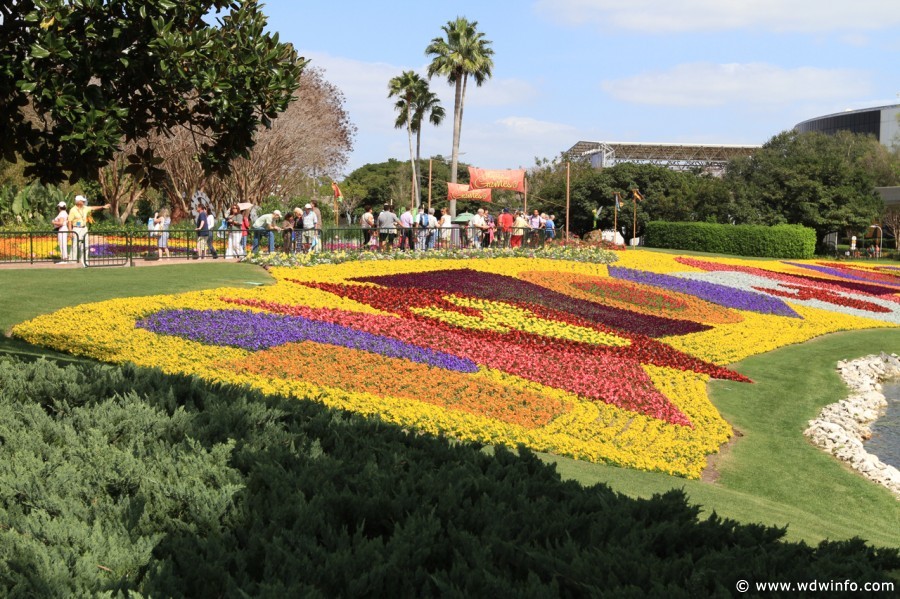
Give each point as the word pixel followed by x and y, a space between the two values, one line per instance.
pixel 643 370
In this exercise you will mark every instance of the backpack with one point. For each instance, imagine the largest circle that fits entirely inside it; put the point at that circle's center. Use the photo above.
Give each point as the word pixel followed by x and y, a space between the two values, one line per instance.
pixel 423 219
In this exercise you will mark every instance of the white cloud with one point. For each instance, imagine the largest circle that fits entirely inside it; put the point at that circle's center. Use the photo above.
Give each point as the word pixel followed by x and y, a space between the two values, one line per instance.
pixel 364 85
pixel 513 141
pixel 707 85
pixel 661 16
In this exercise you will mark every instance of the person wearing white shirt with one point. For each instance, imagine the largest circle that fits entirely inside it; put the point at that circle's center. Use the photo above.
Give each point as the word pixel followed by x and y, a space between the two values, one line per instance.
pixel 477 226
pixel 310 226
pixel 61 224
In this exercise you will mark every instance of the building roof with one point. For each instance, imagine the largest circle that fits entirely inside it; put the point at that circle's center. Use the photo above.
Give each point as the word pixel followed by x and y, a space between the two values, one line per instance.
pixel 678 156
pixel 846 112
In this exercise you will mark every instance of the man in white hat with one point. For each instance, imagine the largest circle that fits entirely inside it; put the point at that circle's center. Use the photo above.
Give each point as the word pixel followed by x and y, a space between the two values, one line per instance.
pixel 79 217
pixel 310 229
pixel 265 225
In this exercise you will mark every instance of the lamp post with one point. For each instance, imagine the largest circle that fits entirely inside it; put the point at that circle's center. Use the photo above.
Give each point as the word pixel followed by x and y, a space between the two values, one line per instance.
pixel 880 239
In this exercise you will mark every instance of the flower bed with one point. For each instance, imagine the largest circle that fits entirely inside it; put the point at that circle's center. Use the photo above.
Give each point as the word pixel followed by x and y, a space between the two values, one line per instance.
pixel 576 358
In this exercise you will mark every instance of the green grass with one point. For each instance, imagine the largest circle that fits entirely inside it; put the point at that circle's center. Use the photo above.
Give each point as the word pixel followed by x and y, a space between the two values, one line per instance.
pixel 26 293
pixel 770 475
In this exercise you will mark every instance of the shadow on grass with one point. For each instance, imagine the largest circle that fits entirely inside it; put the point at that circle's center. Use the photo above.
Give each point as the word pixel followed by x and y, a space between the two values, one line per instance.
pixel 25 351
pixel 215 490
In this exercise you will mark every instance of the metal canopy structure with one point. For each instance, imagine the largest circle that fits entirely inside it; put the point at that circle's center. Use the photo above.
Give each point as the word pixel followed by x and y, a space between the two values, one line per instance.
pixel 675 156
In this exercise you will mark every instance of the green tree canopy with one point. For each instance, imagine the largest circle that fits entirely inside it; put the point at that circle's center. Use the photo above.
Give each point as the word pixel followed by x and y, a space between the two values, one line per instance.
pixel 825 182
pixel 78 79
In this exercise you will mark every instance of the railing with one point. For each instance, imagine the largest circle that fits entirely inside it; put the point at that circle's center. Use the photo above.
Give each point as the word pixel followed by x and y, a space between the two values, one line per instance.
pixel 423 239
pixel 120 248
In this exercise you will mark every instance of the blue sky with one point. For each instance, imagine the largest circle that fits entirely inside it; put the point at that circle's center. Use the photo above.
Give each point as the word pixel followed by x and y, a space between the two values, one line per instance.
pixel 695 71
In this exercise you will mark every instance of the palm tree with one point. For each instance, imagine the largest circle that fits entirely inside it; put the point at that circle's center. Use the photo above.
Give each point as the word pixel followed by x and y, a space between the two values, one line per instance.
pixel 404 87
pixel 464 52
pixel 424 102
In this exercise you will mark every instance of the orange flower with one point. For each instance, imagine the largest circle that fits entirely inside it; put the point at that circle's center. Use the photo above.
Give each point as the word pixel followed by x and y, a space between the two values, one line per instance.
pixel 364 372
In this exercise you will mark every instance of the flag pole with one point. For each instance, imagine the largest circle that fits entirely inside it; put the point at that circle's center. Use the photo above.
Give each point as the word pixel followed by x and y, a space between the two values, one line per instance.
pixel 616 218
pixel 634 222
pixel 568 180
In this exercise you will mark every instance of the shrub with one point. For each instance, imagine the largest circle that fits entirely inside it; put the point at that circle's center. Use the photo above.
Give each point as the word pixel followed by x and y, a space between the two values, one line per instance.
pixel 779 241
pixel 123 479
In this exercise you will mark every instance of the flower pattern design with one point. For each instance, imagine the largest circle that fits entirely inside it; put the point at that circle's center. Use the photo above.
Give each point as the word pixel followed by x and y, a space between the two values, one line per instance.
pixel 600 363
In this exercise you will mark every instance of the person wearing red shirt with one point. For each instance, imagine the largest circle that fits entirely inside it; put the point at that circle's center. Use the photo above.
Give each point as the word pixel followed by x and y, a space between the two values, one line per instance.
pixel 505 223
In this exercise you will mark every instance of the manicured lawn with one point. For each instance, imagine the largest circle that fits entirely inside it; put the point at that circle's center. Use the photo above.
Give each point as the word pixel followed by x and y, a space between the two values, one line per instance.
pixel 771 474
pixel 26 293
pixel 29 292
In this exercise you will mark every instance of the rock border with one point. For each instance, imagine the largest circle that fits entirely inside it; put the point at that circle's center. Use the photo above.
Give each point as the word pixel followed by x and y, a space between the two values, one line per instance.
pixel 841 427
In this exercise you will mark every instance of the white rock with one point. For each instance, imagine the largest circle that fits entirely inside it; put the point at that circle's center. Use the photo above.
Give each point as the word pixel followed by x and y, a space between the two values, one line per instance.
pixel 841 427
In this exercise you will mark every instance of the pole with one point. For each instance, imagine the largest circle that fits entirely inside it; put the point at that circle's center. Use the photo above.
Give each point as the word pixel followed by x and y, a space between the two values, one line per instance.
pixel 429 184
pixel 567 201
pixel 616 219
pixel 525 207
pixel 634 222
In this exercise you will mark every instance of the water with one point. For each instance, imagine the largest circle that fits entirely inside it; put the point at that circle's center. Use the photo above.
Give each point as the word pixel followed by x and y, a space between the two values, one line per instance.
pixel 885 441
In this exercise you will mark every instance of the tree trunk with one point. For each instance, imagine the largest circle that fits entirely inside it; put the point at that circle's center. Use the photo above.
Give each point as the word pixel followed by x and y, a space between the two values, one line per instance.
pixel 457 125
pixel 412 155
pixel 419 159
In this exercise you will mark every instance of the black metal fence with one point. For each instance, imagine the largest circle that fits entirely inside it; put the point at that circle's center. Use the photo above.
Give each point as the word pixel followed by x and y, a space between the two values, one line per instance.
pixel 120 248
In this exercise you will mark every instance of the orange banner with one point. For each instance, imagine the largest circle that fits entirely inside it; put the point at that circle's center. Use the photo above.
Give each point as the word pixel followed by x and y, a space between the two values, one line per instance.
pixel 455 191
pixel 482 179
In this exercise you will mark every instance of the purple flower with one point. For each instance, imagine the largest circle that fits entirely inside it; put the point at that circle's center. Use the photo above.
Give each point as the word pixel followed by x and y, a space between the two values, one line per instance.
pixel 838 272
pixel 259 330
pixel 722 295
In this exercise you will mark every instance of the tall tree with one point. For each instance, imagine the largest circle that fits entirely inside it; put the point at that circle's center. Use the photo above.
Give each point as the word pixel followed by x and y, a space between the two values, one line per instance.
pixel 404 87
pixel 425 103
pixel 824 182
pixel 307 142
pixel 79 80
pixel 462 53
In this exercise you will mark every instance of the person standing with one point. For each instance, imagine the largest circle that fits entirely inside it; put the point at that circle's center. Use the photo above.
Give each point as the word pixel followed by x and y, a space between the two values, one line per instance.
pixel 79 217
pixel 234 221
pixel 446 226
pixel 202 228
pixel 211 227
pixel 162 223
pixel 550 227
pixel 406 229
pixel 478 226
pixel 368 226
pixel 491 222
pixel 536 224
pixel 61 226
pixel 287 233
pixel 310 229
pixel 505 224
pixel 421 228
pixel 432 230
pixel 520 225
pixel 265 225
pixel 318 213
pixel 387 223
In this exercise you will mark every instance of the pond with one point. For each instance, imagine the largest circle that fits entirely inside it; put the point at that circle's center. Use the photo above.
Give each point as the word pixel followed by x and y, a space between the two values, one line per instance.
pixel 885 441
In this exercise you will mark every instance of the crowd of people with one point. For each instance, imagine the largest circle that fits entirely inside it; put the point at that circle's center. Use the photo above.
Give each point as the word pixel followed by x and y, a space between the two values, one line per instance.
pixel 424 230
pixel 301 230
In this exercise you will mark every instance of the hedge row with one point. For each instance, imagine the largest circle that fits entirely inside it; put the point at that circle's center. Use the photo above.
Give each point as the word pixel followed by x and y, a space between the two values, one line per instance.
pixel 780 241
pixel 117 480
